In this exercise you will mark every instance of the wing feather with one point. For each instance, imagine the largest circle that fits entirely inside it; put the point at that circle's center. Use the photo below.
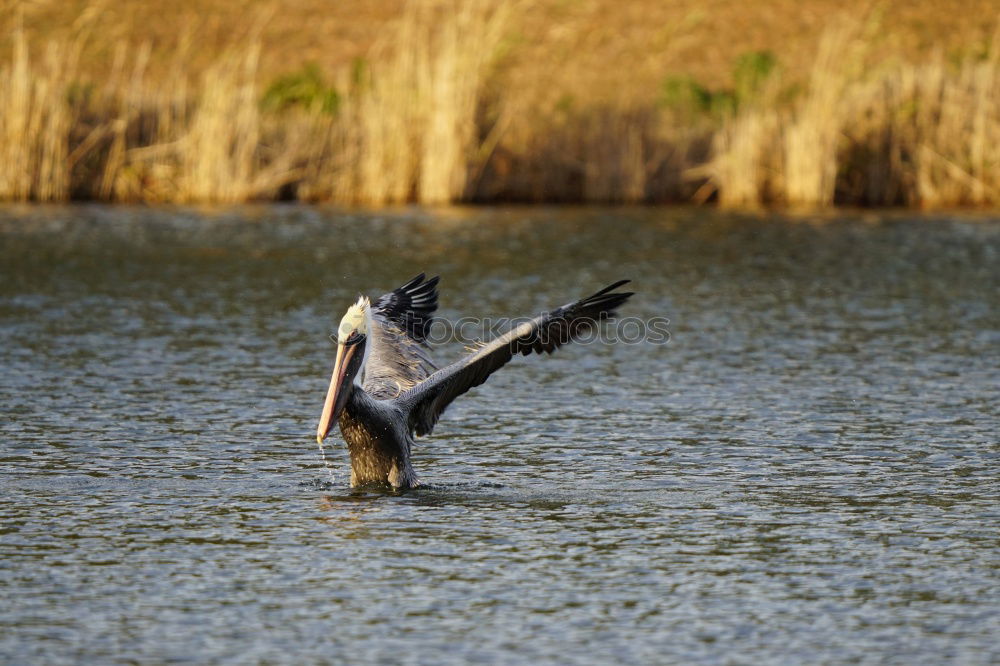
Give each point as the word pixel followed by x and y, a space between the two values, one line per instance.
pixel 398 358
pixel 427 400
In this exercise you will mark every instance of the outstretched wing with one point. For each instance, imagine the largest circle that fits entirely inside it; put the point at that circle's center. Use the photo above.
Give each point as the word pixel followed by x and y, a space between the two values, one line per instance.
pixel 426 401
pixel 398 357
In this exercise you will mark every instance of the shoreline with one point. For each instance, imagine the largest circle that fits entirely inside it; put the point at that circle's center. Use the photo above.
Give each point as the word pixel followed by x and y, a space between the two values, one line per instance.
pixel 9 209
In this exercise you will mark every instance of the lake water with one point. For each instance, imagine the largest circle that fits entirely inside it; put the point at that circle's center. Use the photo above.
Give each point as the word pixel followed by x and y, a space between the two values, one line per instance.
pixel 807 472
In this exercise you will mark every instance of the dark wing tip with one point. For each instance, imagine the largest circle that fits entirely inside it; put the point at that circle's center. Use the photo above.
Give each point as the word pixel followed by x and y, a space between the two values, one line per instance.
pixel 419 285
pixel 610 287
pixel 607 299
pixel 411 305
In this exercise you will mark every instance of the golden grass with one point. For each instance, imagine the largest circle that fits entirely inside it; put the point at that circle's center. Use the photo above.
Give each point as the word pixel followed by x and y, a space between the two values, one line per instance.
pixel 593 50
pixel 744 164
pixel 810 137
pixel 35 122
pixel 900 134
pixel 189 142
pixel 429 116
pixel 407 130
pixel 955 127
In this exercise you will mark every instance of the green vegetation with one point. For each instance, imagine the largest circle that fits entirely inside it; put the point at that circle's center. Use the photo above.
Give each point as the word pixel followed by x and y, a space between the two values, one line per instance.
pixel 686 97
pixel 751 73
pixel 305 89
pixel 681 93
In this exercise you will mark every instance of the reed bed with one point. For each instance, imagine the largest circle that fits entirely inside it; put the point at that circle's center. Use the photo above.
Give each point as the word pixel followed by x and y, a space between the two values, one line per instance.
pixel 408 128
pixel 422 119
pixel 898 134
pixel 35 122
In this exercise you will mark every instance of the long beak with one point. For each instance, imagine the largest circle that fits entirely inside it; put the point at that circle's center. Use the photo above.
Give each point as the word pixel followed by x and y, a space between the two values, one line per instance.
pixel 336 394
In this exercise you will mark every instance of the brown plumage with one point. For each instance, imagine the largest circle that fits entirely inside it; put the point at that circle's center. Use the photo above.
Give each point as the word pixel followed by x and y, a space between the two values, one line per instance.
pixel 384 389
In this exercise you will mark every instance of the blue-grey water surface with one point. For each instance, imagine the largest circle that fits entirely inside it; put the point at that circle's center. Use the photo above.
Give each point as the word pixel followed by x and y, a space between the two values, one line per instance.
pixel 807 472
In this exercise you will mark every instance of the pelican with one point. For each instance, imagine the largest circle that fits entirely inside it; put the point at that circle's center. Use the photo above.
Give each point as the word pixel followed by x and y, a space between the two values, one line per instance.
pixel 385 390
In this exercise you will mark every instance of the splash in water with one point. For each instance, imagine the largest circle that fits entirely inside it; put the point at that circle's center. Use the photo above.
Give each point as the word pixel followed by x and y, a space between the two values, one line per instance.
pixel 326 463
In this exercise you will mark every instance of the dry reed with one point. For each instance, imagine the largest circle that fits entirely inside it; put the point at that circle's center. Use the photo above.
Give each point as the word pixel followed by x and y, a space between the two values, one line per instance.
pixel 923 135
pixel 35 122
pixel 407 130
pixel 811 137
pixel 420 121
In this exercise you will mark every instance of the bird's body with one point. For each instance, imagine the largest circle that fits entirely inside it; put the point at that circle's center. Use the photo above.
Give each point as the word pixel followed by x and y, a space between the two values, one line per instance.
pixel 385 389
pixel 379 447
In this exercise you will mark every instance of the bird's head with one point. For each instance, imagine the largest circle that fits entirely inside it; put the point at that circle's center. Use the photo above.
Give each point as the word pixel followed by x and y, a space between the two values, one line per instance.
pixel 352 344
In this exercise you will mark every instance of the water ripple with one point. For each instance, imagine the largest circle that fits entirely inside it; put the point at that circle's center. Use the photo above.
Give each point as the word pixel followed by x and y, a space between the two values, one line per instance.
pixel 807 473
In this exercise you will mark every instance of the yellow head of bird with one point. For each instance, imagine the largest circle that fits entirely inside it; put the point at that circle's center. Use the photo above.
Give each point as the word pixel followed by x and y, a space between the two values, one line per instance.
pixel 354 321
